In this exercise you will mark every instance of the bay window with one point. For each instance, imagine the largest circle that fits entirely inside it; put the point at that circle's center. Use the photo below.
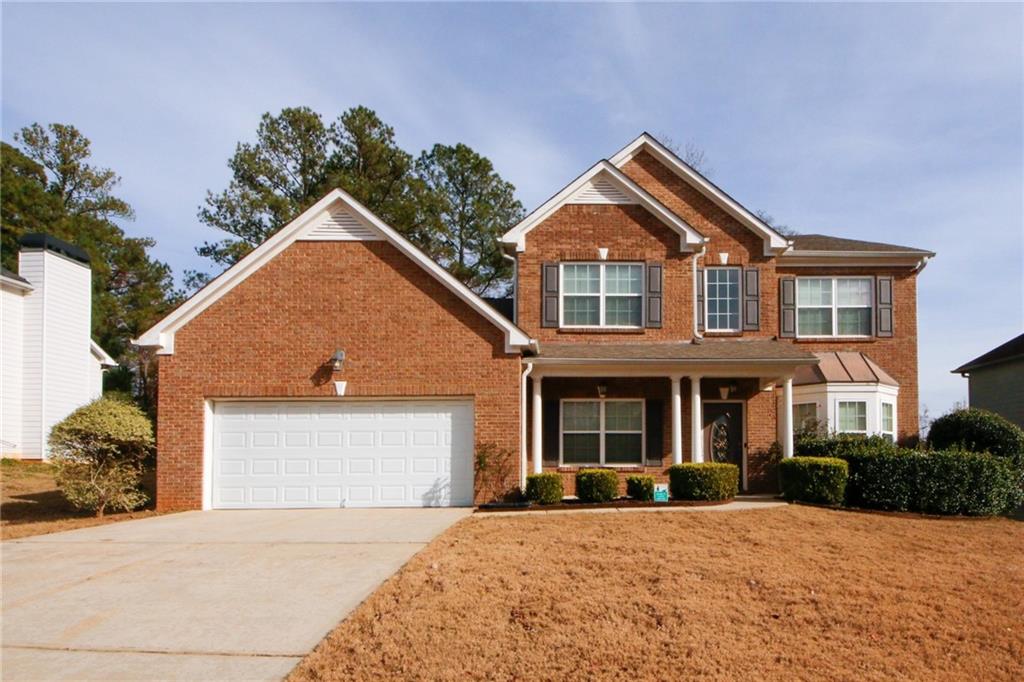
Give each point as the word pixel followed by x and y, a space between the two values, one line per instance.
pixel 833 306
pixel 722 299
pixel 602 295
pixel 602 432
pixel 805 416
pixel 888 421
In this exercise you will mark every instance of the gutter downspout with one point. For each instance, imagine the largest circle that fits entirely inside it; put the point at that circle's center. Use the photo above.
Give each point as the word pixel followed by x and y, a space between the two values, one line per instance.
pixel 696 319
pixel 522 428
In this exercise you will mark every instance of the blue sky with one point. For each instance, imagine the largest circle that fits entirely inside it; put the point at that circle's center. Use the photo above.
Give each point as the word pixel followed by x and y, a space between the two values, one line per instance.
pixel 899 123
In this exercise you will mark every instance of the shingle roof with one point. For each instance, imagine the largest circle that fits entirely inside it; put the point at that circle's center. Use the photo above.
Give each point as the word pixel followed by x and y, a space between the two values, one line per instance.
pixel 842 367
pixel 1013 348
pixel 824 242
pixel 707 350
pixel 13 275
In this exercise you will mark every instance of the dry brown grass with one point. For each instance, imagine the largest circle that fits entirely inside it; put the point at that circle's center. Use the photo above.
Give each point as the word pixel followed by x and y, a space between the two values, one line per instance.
pixel 793 592
pixel 32 505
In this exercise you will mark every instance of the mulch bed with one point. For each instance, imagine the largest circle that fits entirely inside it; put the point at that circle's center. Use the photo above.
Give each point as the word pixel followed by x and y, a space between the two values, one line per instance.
pixel 623 503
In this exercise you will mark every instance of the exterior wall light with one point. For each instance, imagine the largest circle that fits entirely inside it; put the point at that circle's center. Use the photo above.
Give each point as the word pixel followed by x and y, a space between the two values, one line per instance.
pixel 724 391
pixel 337 360
pixel 602 390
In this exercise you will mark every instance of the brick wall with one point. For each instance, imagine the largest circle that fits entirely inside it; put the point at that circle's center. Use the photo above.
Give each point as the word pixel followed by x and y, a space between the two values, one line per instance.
pixel 404 334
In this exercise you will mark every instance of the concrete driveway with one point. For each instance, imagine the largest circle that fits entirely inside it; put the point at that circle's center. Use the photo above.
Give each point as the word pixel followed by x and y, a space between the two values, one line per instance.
pixel 219 595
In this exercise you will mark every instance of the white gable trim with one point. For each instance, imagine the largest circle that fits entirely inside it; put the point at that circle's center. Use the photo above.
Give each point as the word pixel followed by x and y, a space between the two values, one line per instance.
pixel 101 355
pixel 774 243
pixel 604 174
pixel 161 335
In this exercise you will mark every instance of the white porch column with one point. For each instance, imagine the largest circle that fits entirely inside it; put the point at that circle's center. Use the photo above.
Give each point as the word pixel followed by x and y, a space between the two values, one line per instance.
pixel 787 417
pixel 696 421
pixel 677 419
pixel 538 426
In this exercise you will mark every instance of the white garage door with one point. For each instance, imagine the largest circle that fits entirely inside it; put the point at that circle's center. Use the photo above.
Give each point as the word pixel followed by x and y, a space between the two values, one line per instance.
pixel 334 454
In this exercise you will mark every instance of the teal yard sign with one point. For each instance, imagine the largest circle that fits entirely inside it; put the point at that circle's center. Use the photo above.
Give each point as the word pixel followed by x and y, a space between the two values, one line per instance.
pixel 661 492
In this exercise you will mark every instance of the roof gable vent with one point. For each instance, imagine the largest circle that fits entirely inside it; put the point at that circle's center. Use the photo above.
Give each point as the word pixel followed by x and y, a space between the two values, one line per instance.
pixel 601 190
pixel 339 225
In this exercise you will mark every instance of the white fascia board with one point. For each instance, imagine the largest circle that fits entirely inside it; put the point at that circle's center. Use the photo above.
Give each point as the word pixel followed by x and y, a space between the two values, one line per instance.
pixel 688 236
pixel 101 355
pixel 774 242
pixel 855 259
pixel 161 335
pixel 15 283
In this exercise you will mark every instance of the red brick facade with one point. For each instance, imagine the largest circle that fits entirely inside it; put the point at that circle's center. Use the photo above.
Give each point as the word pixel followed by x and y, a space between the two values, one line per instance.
pixel 272 334
pixel 407 335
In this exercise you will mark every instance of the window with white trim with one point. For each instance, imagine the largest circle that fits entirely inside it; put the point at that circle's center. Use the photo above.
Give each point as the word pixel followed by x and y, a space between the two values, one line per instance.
pixel 602 432
pixel 852 416
pixel 833 306
pixel 805 416
pixel 887 427
pixel 602 295
pixel 722 299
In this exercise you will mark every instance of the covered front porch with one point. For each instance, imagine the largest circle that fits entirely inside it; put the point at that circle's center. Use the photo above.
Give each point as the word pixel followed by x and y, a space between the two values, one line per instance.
pixel 642 408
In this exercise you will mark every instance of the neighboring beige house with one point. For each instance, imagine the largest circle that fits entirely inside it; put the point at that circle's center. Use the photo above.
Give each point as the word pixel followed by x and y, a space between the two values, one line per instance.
pixel 50 364
pixel 994 380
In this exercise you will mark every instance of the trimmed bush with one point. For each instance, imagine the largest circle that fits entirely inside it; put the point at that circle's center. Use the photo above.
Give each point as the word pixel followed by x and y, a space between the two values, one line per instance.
pixel 978 431
pixel 821 480
pixel 813 444
pixel 886 480
pixel 704 481
pixel 544 488
pixel 640 487
pixel 98 451
pixel 597 485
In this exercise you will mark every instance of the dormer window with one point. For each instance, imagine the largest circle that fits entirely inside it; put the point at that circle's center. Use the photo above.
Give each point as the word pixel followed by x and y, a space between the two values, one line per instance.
pixel 602 295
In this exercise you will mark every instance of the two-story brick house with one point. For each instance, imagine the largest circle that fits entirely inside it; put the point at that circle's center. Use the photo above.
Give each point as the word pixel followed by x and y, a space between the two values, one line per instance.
pixel 655 320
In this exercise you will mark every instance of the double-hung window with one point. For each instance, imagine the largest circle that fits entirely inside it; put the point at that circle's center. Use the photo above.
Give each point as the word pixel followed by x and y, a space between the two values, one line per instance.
pixel 833 306
pixel 722 297
pixel 888 421
pixel 602 432
pixel 602 295
pixel 805 416
pixel 853 416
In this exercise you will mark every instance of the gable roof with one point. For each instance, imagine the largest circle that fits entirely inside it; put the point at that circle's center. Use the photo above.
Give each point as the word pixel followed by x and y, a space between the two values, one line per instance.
pixel 337 216
pixel 101 355
pixel 774 242
pixel 604 183
pixel 1011 350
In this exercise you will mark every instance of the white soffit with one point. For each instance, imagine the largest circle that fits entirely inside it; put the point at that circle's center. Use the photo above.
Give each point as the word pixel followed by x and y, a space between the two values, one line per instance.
pixel 339 224
pixel 599 179
pixel 161 335
pixel 774 242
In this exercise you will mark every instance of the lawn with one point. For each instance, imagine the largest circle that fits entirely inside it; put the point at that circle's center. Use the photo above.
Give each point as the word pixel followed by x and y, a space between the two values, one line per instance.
pixel 31 504
pixel 792 592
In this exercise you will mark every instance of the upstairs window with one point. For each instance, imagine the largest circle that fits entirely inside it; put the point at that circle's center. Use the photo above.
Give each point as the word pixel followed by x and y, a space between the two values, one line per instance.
pixel 722 294
pixel 602 295
pixel 833 306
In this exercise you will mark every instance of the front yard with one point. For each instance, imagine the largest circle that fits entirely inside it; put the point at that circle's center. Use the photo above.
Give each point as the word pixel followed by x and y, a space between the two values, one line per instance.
pixel 794 592
pixel 31 504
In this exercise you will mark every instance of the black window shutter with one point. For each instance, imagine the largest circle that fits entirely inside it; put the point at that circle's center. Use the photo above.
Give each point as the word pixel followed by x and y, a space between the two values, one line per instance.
pixel 883 289
pixel 751 300
pixel 787 307
pixel 654 432
pixel 700 299
pixel 550 429
pixel 655 282
pixel 549 295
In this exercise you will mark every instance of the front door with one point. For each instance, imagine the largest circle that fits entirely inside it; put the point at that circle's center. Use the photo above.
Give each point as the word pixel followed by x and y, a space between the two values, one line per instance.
pixel 723 433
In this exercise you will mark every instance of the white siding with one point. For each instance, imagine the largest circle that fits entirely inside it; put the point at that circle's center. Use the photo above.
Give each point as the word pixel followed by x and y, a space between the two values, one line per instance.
pixel 58 374
pixel 11 367
pixel 95 379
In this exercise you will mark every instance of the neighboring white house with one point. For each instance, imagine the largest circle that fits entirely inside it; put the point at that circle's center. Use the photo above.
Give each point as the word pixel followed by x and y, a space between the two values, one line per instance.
pixel 50 364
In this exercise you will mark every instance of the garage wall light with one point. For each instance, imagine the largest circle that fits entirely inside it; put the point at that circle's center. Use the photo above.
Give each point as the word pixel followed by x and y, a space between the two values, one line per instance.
pixel 337 360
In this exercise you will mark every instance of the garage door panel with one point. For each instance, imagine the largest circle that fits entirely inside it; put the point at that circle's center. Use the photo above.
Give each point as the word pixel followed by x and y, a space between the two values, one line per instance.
pixel 338 454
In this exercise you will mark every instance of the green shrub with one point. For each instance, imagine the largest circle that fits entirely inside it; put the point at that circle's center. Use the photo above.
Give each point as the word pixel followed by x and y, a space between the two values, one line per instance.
pixel 815 444
pixel 97 452
pixel 886 480
pixel 640 487
pixel 597 485
pixel 704 481
pixel 814 479
pixel 544 488
pixel 978 431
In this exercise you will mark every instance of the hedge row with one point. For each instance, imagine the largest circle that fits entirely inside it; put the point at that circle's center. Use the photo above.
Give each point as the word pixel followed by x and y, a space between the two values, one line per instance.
pixel 821 480
pixel 706 481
